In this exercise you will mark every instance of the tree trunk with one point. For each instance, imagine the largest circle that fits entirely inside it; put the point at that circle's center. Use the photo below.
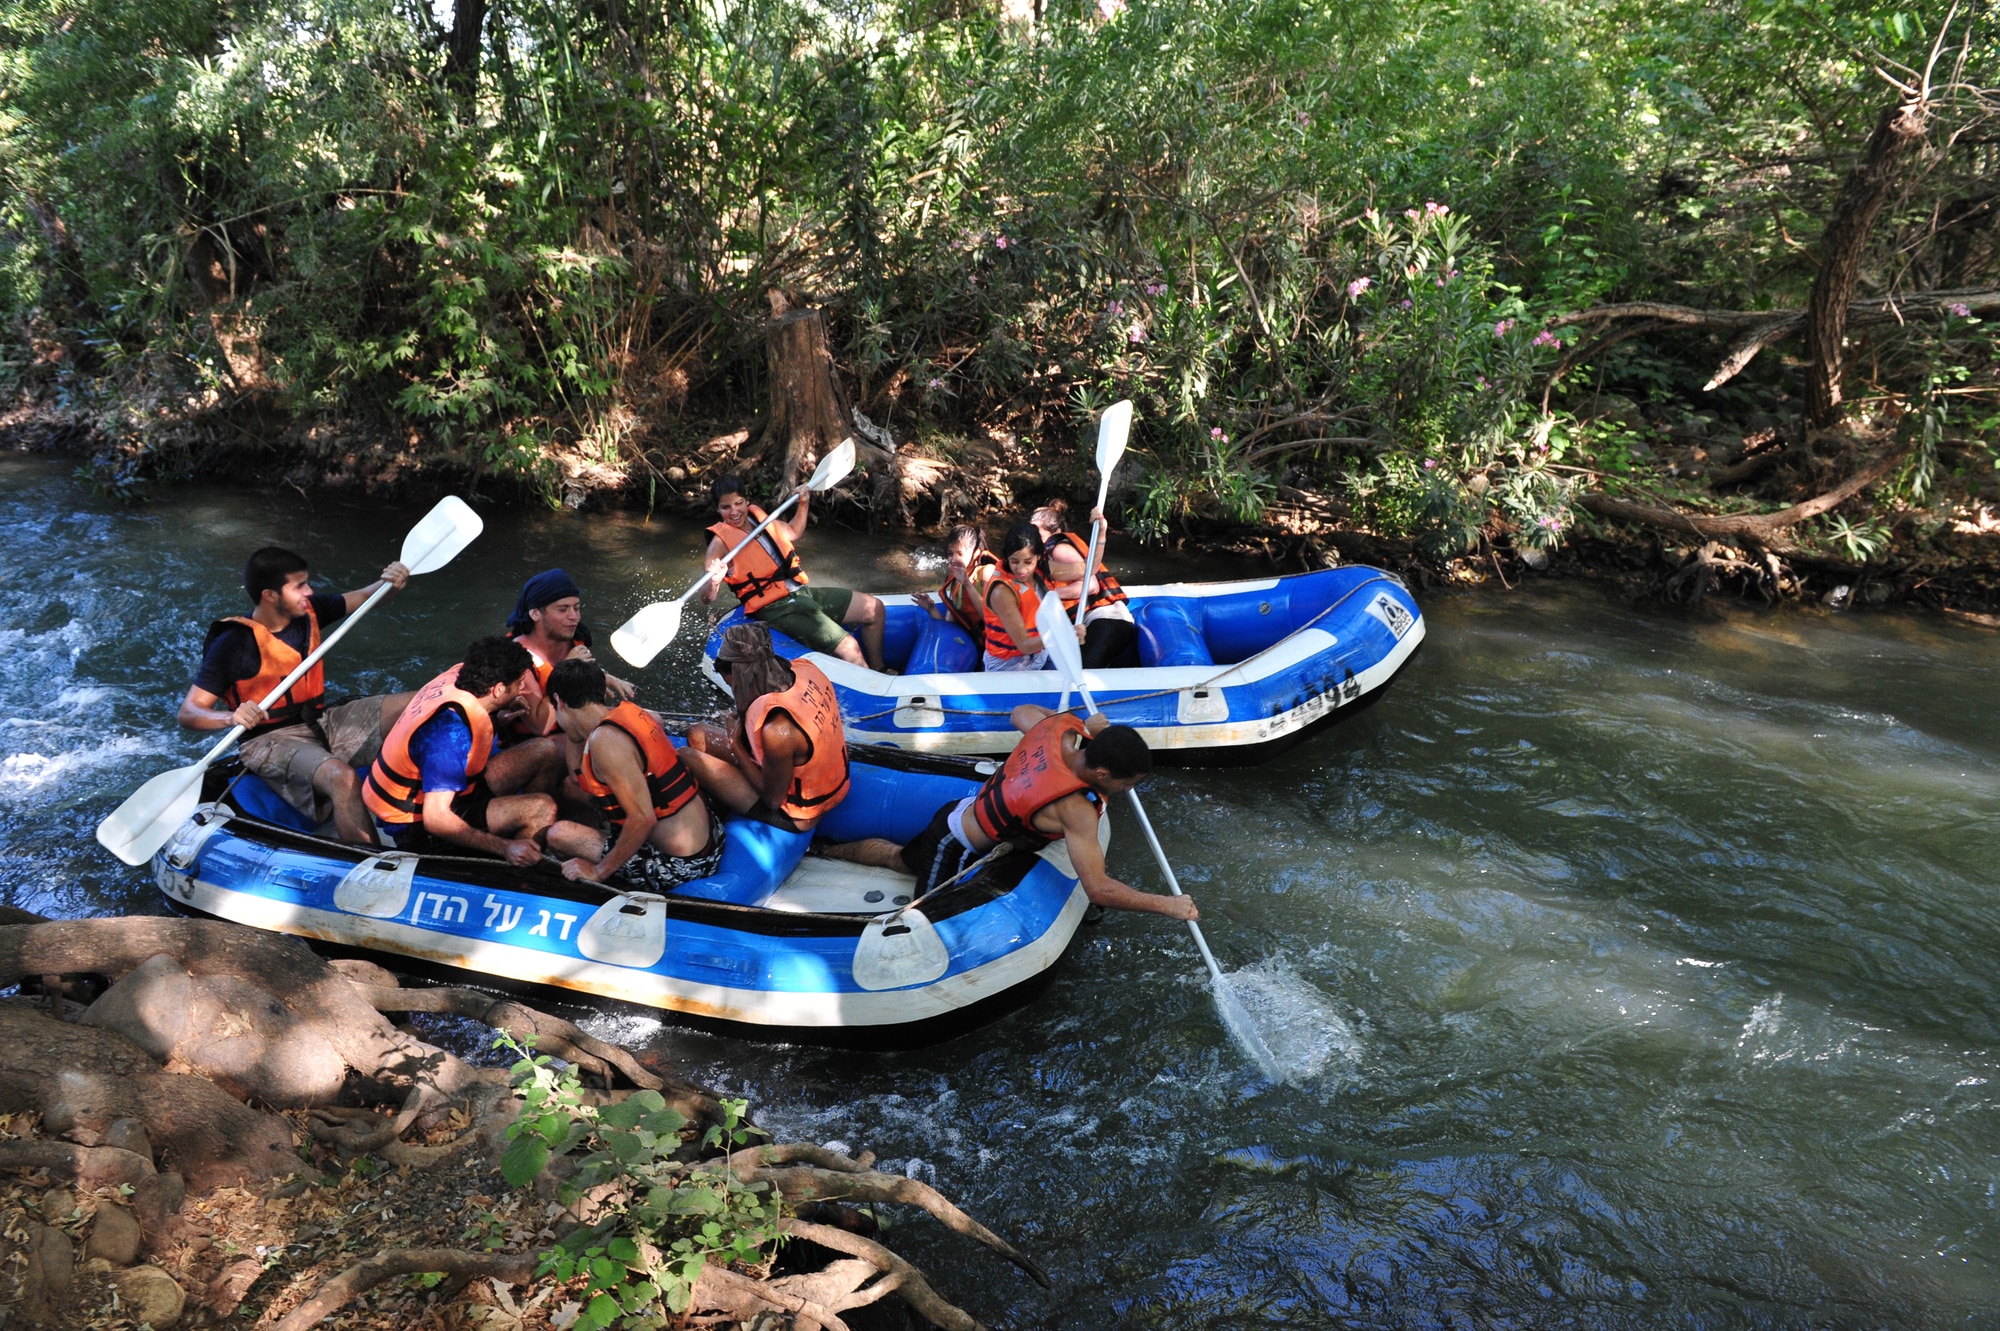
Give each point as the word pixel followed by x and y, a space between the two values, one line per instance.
pixel 1862 195
pixel 461 48
pixel 808 411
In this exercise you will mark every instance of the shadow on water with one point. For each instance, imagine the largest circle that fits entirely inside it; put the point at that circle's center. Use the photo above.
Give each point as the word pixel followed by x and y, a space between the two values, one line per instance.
pixel 1645 961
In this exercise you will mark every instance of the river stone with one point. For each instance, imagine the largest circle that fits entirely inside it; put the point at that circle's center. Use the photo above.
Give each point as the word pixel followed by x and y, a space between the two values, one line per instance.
pixel 45 1280
pixel 226 1029
pixel 58 1205
pixel 114 1235
pixel 129 1134
pixel 151 1296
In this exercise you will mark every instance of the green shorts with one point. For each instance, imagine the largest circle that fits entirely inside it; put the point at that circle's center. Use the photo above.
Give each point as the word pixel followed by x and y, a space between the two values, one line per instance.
pixel 810 616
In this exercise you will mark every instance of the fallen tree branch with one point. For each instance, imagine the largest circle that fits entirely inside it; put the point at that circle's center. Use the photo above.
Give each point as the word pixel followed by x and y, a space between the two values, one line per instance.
pixel 509 1267
pixel 1766 531
pixel 1754 329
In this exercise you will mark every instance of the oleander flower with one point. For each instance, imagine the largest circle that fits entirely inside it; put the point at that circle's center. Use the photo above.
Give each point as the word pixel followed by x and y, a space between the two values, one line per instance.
pixel 1359 285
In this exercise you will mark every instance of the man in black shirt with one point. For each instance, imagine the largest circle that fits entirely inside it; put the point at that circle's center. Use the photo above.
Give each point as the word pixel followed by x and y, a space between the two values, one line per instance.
pixel 303 750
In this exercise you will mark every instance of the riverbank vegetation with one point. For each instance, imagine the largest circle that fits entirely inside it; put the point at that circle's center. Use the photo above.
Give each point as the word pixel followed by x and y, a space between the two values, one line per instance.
pixel 1465 274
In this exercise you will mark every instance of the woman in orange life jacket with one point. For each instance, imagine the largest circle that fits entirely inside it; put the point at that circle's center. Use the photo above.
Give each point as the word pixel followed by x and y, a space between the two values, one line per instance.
pixel 1110 632
pixel 1053 787
pixel 659 831
pixel 962 598
pixel 439 783
pixel 548 621
pixel 784 758
pixel 302 749
pixel 1012 598
pixel 771 585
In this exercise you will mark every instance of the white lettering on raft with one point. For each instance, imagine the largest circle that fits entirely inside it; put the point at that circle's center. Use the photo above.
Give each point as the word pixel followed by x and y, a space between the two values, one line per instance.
pixel 441 907
pixel 500 915
pixel 542 927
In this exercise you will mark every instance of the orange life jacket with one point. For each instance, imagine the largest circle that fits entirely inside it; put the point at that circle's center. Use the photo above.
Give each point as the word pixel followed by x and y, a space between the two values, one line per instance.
pixel 820 782
pixel 963 600
pixel 764 571
pixel 533 696
pixel 275 660
pixel 1034 776
pixel 394 790
pixel 1107 592
pixel 998 640
pixel 668 782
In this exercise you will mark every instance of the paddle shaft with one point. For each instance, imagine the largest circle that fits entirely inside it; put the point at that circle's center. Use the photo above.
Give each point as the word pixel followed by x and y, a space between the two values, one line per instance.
pixel 1146 826
pixel 1090 565
pixel 299 671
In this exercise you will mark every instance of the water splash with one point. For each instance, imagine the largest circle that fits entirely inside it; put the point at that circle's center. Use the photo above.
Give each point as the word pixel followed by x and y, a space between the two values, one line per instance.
pixel 1301 1030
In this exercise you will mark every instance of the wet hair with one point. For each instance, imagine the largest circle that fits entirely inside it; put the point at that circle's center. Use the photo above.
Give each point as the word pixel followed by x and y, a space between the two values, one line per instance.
pixel 490 661
pixel 575 682
pixel 1119 750
pixel 966 532
pixel 268 570
pixel 1052 517
pixel 732 484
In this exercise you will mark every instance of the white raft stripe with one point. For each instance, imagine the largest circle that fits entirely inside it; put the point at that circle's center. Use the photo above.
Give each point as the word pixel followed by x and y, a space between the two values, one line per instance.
pixel 751 1007
pixel 1219 734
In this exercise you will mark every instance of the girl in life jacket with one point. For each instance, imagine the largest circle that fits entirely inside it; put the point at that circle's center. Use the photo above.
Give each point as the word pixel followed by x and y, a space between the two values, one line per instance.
pixel 1012 598
pixel 1110 634
pixel 971 567
pixel 784 760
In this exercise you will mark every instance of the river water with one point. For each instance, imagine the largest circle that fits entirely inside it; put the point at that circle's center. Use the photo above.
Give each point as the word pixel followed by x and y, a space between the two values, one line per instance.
pixel 1645 963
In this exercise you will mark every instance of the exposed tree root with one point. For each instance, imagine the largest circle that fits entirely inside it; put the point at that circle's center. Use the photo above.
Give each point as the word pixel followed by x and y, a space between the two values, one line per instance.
pixel 803 1173
pixel 552 1035
pixel 460 1267
pixel 237 1005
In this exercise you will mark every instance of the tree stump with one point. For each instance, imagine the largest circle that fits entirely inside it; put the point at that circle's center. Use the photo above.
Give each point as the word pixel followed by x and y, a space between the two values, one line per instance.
pixel 808 411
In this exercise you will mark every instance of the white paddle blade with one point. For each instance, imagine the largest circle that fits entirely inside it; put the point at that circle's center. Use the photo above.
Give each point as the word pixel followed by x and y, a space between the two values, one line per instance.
pixel 1059 637
pixel 1112 427
pixel 646 634
pixel 151 814
pixel 442 533
pixel 899 950
pixel 833 468
pixel 1248 1038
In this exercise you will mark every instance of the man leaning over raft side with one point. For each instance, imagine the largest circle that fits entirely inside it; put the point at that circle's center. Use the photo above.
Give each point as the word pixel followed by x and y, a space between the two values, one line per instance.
pixel 439 784
pixel 770 583
pixel 548 621
pixel 1053 787
pixel 784 760
pixel 300 748
pixel 661 832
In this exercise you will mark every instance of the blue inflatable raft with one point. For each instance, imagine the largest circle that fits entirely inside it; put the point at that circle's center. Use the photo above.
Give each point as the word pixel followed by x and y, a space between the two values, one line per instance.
pixel 1226 672
pixel 779 942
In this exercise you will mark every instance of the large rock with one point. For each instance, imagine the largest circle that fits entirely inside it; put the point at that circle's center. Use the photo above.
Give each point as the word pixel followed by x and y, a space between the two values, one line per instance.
pixel 230 1031
pixel 114 1235
pixel 151 1296
pixel 45 1280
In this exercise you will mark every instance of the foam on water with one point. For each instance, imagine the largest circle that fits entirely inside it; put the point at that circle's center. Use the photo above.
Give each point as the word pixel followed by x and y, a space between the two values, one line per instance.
pixel 1300 1025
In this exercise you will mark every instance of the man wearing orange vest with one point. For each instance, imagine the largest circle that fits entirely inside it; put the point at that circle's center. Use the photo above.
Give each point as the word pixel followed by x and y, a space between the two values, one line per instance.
pixel 548 621
pixel 301 748
pixel 772 585
pixel 661 831
pixel 1053 787
pixel 438 782
pixel 784 760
